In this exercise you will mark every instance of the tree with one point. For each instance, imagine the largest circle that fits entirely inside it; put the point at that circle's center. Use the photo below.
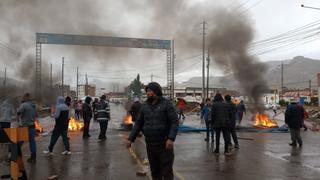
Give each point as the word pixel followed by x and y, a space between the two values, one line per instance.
pixel 135 87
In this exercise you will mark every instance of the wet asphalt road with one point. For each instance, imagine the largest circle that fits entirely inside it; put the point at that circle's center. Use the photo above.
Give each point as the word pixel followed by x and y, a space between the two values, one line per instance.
pixel 261 156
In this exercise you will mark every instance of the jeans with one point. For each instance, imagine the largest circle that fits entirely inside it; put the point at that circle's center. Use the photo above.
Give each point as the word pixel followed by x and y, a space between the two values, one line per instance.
pixel 209 130
pixel 32 142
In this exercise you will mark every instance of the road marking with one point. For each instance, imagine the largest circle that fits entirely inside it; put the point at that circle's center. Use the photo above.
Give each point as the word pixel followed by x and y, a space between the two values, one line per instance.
pixel 135 157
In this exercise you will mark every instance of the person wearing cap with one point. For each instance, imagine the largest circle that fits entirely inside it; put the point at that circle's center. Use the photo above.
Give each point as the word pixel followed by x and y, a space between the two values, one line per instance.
pixel 294 119
pixel 159 123
pixel 87 115
pixel 103 117
pixel 135 109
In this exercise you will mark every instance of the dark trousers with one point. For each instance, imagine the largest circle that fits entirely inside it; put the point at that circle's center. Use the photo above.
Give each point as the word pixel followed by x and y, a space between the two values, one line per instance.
pixel 226 137
pixel 295 136
pixel 239 116
pixel 233 134
pixel 180 113
pixel 209 130
pixel 86 127
pixel 161 161
pixel 103 129
pixel 5 125
pixel 56 133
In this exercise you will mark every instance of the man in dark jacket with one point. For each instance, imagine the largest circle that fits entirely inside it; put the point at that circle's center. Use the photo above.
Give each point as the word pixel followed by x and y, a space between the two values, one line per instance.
pixel 232 128
pixel 103 117
pixel 87 115
pixel 94 107
pixel 159 123
pixel 61 116
pixel 294 119
pixel 221 122
pixel 135 109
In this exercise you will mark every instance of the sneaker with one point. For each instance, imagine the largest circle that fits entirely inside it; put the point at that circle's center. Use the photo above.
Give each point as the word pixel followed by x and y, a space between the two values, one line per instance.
pixel 66 152
pixel 47 152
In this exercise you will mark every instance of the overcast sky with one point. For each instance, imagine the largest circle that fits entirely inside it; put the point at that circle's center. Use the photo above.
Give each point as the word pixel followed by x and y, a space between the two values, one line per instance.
pixel 143 19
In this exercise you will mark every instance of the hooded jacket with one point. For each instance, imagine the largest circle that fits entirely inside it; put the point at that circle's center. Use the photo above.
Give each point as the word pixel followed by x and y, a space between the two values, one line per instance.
pixel 158 122
pixel 7 111
pixel 62 114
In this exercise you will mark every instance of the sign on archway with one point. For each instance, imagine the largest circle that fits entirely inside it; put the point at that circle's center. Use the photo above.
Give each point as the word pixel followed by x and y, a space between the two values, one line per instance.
pixel 83 40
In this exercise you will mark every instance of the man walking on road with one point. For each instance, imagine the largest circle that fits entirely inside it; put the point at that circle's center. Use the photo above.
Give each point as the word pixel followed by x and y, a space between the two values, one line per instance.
pixel 159 123
pixel 294 118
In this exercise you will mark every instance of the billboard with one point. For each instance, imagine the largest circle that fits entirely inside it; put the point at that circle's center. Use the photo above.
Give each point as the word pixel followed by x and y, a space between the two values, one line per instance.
pixel 67 39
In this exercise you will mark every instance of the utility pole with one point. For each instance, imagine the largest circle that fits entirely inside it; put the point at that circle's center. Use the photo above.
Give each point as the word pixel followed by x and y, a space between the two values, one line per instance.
pixel 151 77
pixel 5 78
pixel 208 63
pixel 77 88
pixel 173 57
pixel 310 91
pixel 62 83
pixel 203 59
pixel 282 80
pixel 86 89
pixel 50 75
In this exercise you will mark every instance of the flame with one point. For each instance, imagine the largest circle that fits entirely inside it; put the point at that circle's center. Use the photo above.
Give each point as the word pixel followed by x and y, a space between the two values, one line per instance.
pixel 262 120
pixel 128 119
pixel 38 126
pixel 75 125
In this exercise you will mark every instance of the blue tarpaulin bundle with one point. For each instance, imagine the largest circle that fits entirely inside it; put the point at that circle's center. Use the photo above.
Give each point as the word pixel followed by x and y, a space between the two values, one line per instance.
pixel 185 129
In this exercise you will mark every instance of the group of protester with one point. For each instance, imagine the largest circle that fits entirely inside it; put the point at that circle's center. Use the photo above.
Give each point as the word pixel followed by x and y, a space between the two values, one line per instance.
pixel 220 116
pixel 100 109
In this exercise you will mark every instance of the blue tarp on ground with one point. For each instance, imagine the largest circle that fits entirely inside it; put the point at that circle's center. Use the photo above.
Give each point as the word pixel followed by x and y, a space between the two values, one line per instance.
pixel 185 129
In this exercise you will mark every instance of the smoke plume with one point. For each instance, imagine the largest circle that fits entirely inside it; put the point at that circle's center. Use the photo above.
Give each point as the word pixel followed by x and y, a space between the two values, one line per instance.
pixel 228 35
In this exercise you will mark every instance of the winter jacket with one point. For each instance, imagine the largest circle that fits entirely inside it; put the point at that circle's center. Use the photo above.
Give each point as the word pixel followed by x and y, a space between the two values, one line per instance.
pixel 103 111
pixel 221 115
pixel 62 114
pixel 86 109
pixel 158 122
pixel 135 110
pixel 206 113
pixel 294 116
pixel 27 113
pixel 7 112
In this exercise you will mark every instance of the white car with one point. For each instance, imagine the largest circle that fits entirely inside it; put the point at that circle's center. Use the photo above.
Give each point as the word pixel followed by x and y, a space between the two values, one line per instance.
pixel 270 106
